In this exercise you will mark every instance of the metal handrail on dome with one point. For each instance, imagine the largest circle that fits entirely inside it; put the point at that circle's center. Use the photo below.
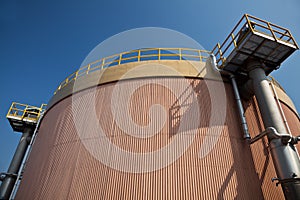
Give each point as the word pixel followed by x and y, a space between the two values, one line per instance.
pixel 137 56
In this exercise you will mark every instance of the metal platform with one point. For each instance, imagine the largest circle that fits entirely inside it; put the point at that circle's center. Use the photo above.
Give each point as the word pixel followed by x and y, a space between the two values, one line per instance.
pixel 22 115
pixel 254 38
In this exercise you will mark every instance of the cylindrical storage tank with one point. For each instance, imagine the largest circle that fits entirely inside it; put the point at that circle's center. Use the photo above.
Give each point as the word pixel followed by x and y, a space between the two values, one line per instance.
pixel 151 129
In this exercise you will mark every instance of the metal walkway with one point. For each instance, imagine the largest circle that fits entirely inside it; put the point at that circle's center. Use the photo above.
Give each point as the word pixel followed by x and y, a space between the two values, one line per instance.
pixel 254 38
pixel 22 115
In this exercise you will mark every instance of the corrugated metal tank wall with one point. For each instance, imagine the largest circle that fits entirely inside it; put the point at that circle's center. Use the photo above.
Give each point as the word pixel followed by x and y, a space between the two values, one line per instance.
pixel 60 167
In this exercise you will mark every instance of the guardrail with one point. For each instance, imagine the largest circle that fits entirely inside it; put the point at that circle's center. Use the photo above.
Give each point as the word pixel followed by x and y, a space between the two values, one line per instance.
pixel 246 25
pixel 23 111
pixel 137 56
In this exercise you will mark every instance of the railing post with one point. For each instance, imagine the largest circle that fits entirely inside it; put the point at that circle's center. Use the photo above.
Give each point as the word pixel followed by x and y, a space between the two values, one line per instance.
pixel 249 23
pixel 220 53
pixel 11 108
pixel 139 55
pixel 120 58
pixel 103 62
pixel 233 39
pixel 272 32
pixel 88 69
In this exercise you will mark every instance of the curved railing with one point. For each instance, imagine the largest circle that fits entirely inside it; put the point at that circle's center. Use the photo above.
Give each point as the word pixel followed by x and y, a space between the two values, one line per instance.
pixel 137 56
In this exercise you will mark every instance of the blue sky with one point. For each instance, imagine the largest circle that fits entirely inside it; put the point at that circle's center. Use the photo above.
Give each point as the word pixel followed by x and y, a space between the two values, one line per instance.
pixel 42 42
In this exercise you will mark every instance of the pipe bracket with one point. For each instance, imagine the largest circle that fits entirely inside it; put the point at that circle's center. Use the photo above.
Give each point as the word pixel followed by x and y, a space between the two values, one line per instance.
pixel 3 175
pixel 272 132
pixel 295 140
pixel 285 180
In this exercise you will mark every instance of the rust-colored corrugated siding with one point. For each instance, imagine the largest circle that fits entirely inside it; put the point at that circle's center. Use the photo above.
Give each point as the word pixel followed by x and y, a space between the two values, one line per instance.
pixel 60 167
pixel 293 122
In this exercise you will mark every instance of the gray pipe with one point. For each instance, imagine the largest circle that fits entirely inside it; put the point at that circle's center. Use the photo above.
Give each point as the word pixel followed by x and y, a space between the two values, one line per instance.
pixel 240 107
pixel 285 156
pixel 10 179
pixel 280 109
pixel 236 94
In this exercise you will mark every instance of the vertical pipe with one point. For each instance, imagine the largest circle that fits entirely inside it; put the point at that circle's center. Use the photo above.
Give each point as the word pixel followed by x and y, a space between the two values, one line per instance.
pixel 240 107
pixel 280 109
pixel 236 94
pixel 9 181
pixel 285 157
